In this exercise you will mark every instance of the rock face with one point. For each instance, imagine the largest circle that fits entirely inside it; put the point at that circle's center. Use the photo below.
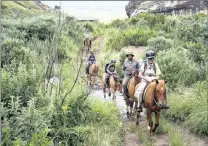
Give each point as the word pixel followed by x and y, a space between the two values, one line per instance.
pixel 171 7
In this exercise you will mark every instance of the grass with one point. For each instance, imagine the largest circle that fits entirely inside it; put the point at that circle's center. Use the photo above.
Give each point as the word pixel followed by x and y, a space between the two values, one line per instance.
pixel 189 108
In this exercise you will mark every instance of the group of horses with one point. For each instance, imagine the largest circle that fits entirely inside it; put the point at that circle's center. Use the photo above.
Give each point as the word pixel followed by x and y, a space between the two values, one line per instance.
pixel 153 97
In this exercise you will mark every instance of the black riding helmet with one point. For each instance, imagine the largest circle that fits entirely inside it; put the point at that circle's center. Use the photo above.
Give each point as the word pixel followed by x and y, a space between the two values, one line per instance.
pixel 150 54
pixel 113 61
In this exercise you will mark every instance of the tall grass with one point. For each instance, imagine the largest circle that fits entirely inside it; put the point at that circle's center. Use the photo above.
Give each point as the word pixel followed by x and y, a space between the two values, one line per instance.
pixel 190 108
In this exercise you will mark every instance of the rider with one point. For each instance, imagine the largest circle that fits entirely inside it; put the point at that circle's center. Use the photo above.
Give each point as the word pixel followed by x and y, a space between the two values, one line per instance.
pixel 129 65
pixel 150 71
pixel 91 59
pixel 110 69
pixel 87 35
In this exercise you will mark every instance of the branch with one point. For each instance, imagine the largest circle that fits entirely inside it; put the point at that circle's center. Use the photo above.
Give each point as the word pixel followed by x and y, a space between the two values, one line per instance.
pixel 75 81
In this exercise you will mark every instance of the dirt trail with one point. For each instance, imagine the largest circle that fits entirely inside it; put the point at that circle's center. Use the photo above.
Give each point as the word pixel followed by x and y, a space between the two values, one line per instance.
pixel 135 135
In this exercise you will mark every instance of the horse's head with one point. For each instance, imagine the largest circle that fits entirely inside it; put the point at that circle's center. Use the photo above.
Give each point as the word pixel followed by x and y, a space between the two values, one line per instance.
pixel 160 92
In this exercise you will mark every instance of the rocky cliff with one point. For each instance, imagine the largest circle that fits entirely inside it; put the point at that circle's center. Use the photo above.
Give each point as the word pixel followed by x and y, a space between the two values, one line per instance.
pixel 135 7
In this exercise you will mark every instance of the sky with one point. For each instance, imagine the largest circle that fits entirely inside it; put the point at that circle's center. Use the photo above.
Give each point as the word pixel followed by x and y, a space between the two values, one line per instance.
pixel 104 11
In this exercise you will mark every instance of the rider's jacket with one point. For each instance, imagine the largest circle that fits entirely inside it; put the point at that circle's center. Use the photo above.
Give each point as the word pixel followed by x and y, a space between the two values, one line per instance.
pixel 129 65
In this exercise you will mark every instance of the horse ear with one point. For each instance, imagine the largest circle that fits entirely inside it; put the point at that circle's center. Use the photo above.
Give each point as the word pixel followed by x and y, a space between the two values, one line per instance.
pixel 165 81
pixel 157 81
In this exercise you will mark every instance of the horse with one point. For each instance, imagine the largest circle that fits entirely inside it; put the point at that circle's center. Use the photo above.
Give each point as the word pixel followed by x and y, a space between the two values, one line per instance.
pixel 113 80
pixel 93 71
pixel 131 90
pixel 153 98
pixel 87 45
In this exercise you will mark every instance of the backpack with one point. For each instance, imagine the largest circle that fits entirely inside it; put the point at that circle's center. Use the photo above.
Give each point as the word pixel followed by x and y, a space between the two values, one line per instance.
pixel 145 66
pixel 106 66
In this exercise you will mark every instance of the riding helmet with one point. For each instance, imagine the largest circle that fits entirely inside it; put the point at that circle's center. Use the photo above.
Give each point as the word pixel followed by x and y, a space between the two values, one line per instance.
pixel 150 54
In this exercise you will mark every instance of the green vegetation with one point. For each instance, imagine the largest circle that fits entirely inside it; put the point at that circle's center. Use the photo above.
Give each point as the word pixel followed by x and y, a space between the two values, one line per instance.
pixel 35 111
pixel 36 47
pixel 180 43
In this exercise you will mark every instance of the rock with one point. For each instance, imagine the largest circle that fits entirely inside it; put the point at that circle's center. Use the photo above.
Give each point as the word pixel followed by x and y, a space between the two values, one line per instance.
pixel 192 6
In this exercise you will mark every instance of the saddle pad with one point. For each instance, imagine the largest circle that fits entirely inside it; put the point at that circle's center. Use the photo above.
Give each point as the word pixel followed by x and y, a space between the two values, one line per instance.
pixel 144 92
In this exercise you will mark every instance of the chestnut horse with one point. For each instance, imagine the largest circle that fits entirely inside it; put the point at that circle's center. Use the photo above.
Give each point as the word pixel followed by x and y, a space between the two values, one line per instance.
pixel 87 45
pixel 153 98
pixel 114 83
pixel 93 72
pixel 131 90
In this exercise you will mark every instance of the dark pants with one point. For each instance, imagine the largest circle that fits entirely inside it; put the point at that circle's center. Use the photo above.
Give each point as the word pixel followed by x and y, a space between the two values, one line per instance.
pixel 107 79
pixel 87 67
pixel 125 84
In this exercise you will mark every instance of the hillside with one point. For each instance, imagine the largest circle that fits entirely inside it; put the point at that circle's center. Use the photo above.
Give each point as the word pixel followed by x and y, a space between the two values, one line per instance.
pixel 178 7
pixel 20 9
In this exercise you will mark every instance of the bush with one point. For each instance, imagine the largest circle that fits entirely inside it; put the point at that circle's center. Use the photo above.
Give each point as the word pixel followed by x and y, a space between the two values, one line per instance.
pixel 137 36
pixel 160 43
pixel 190 107
pixel 120 24
pixel 177 67
pixel 189 30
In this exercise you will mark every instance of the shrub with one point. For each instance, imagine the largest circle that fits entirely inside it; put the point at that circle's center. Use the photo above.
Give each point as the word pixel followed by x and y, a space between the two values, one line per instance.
pixel 190 107
pixel 137 36
pixel 177 67
pixel 189 30
pixel 160 43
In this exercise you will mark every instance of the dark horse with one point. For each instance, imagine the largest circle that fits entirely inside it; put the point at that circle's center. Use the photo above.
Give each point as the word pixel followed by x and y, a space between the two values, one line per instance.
pixel 87 45
pixel 153 98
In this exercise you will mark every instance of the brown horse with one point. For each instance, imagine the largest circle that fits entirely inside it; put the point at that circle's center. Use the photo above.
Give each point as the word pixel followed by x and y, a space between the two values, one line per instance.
pixel 131 90
pixel 87 45
pixel 113 80
pixel 93 72
pixel 153 99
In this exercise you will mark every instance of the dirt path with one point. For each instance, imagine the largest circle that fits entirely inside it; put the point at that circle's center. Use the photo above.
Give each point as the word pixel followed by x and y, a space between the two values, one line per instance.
pixel 137 135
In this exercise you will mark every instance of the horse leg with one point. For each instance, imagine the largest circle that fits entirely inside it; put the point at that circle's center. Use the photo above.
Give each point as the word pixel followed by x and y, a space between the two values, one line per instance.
pixel 114 96
pixel 131 102
pixel 127 107
pixel 157 118
pixel 136 104
pixel 138 116
pixel 90 80
pixel 104 90
pixel 149 117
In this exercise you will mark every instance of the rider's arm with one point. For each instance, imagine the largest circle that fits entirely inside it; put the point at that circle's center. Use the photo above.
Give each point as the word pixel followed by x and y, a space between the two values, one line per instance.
pixel 158 72
pixel 108 69
pixel 124 66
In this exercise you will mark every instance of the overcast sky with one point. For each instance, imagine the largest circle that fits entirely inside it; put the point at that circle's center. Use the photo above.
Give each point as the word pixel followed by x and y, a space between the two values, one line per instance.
pixel 105 11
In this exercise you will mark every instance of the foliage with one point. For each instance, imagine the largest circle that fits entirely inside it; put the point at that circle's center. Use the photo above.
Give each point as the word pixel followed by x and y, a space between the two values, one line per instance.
pixel 190 108
pixel 160 43
pixel 129 37
pixel 177 68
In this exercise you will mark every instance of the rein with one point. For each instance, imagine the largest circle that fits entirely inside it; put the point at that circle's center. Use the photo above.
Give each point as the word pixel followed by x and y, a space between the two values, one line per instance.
pixel 155 97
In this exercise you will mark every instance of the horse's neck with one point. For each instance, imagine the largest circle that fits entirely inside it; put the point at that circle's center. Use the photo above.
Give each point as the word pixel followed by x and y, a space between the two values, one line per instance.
pixel 150 92
pixel 134 80
pixel 113 81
